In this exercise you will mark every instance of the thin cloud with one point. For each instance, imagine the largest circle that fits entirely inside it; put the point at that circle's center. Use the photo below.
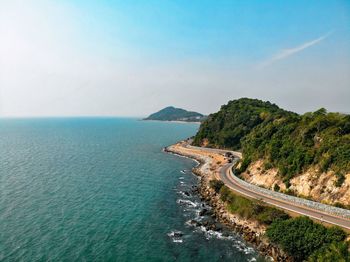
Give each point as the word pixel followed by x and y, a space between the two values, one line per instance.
pixel 291 51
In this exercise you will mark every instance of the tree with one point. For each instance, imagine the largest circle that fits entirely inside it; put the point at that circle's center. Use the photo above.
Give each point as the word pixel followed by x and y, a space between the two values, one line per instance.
pixel 336 251
pixel 300 237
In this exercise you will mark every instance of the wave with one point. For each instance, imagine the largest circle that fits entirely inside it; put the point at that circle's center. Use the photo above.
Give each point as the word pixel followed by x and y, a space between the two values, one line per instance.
pixel 187 202
pixel 184 194
pixel 176 235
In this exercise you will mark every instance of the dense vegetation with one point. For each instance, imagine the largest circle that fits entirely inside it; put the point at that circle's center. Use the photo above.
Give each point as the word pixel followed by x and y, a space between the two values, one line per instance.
pixel 286 140
pixel 300 237
pixel 235 120
pixel 175 114
pixel 336 251
pixel 247 208
pixel 216 185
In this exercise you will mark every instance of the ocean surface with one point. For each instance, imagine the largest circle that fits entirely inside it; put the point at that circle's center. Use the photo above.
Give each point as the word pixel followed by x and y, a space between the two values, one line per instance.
pixel 101 189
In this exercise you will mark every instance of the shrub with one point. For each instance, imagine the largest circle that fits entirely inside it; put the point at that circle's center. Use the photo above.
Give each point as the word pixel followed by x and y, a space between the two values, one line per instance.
pixel 267 165
pixel 290 192
pixel 247 208
pixel 336 251
pixel 340 179
pixel 335 234
pixel 340 205
pixel 244 165
pixel 270 215
pixel 216 185
pixel 276 188
pixel 240 205
pixel 236 204
pixel 287 183
pixel 225 193
pixel 300 237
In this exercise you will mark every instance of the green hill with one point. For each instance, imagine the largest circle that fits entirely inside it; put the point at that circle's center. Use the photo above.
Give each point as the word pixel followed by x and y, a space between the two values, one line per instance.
pixel 284 139
pixel 176 114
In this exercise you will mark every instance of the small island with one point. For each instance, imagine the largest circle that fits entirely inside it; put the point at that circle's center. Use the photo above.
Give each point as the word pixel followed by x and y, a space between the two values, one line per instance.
pixel 171 113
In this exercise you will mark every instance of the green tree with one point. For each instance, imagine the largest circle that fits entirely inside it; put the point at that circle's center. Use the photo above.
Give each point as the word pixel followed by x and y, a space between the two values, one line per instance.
pixel 336 251
pixel 300 237
pixel 283 139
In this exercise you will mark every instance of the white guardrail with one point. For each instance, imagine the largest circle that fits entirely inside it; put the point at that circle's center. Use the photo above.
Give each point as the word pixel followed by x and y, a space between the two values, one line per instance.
pixel 297 200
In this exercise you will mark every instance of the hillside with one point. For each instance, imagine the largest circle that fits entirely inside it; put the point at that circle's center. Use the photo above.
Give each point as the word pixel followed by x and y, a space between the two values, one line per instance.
pixel 286 146
pixel 235 120
pixel 176 114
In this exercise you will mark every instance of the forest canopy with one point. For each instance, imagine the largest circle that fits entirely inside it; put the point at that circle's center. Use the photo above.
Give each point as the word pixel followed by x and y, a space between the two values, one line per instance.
pixel 284 139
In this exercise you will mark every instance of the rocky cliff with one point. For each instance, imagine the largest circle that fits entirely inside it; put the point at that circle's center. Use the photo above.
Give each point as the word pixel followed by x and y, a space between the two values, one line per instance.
pixel 313 184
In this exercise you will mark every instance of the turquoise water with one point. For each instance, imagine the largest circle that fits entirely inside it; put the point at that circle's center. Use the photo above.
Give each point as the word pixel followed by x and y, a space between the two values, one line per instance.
pixel 101 190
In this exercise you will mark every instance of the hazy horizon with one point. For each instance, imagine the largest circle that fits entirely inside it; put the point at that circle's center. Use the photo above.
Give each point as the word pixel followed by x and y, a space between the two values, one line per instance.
pixel 136 116
pixel 85 58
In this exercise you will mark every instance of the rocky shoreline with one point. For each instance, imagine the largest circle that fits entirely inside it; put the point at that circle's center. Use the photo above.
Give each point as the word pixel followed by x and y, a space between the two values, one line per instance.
pixel 251 231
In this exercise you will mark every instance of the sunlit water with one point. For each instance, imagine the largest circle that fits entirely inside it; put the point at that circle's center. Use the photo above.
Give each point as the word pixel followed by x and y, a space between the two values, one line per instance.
pixel 102 190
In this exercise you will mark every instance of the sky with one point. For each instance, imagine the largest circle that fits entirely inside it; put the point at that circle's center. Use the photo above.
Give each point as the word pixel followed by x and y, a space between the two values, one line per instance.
pixel 132 58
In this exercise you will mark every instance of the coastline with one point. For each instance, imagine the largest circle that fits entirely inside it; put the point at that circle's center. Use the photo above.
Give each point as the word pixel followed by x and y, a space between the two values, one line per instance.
pixel 251 231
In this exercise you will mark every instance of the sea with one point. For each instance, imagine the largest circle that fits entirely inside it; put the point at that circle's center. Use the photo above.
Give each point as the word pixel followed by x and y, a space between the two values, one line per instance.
pixel 102 189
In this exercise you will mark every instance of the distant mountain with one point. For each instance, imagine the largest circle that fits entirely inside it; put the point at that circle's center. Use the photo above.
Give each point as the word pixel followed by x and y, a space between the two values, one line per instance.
pixel 171 113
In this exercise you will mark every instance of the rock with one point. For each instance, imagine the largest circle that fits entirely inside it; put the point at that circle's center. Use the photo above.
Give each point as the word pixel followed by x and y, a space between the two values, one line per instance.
pixel 225 234
pixel 218 227
pixel 218 212
pixel 205 212
pixel 274 253
pixel 192 222
pixel 195 223
pixel 178 234
pixel 212 227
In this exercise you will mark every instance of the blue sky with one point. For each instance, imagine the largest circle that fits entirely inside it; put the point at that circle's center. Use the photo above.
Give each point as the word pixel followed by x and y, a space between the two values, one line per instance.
pixel 249 30
pixel 100 57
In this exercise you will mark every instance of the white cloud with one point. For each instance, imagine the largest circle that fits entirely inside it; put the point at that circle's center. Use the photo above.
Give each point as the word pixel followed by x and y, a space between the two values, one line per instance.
pixel 291 51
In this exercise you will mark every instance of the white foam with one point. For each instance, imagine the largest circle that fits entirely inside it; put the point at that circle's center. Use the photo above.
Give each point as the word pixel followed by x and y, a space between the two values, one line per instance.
pixel 251 259
pixel 172 233
pixel 177 240
pixel 183 194
pixel 186 202
pixel 239 245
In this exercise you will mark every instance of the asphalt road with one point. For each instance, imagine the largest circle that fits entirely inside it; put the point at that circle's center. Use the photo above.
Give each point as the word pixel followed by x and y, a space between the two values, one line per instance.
pixel 227 177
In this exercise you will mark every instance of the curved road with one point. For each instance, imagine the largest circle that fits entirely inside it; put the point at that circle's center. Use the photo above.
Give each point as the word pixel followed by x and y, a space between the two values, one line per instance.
pixel 226 176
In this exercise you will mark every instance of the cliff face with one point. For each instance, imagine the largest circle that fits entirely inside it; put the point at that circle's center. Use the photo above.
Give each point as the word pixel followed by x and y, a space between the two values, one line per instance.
pixel 313 184
pixel 321 187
